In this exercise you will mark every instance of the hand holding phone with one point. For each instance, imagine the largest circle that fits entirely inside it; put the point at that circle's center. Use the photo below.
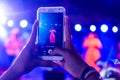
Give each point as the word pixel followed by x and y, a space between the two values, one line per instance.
pixel 50 32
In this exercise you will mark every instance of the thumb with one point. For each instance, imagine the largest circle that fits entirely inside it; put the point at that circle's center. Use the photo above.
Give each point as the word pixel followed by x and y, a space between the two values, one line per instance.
pixel 68 41
pixel 34 32
pixel 58 51
pixel 44 63
pixel 61 64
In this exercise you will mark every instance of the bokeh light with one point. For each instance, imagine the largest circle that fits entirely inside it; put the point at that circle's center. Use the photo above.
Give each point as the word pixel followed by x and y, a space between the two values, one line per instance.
pixel 115 29
pixel 23 23
pixel 93 28
pixel 78 27
pixel 10 23
pixel 104 28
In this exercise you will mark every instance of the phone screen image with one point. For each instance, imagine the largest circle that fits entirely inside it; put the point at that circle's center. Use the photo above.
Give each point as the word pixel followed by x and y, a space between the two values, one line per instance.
pixel 50 33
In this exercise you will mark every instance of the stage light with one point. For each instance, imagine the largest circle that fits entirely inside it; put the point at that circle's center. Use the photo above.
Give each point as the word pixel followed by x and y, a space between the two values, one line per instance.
pixel 3 32
pixel 93 28
pixel 24 23
pixel 2 20
pixel 104 28
pixel 10 23
pixel 78 27
pixel 2 15
pixel 115 29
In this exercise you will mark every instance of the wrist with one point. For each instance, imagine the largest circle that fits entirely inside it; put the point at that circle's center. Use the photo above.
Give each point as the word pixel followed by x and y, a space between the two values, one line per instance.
pixel 78 71
pixel 16 72
pixel 90 72
pixel 10 74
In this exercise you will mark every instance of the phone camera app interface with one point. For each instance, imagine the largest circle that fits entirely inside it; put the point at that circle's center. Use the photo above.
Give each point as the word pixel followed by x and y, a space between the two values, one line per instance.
pixel 50 32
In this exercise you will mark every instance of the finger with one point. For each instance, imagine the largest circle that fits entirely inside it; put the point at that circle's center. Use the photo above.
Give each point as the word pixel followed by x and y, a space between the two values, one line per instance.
pixel 58 51
pixel 44 63
pixel 61 64
pixel 34 31
pixel 35 50
pixel 68 33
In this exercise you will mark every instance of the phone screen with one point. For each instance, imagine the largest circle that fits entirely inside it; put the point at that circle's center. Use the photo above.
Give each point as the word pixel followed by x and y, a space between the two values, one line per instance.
pixel 50 33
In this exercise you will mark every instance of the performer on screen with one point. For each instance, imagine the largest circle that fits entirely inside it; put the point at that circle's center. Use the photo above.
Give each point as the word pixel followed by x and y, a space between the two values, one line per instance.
pixel 52 35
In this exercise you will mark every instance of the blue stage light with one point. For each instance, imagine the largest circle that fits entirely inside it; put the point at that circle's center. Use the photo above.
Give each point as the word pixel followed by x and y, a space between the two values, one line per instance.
pixel 78 27
pixel 24 23
pixel 10 23
pixel 104 28
pixel 93 28
pixel 115 29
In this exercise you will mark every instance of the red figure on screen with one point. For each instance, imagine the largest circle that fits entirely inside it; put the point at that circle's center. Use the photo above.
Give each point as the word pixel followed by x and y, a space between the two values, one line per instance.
pixel 92 55
pixel 52 35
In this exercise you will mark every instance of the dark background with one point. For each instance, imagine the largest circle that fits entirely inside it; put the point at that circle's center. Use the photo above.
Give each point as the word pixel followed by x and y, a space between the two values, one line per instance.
pixel 84 12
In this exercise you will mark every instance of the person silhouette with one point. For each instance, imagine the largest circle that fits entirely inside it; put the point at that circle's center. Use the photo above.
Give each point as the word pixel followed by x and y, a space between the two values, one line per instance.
pixel 92 54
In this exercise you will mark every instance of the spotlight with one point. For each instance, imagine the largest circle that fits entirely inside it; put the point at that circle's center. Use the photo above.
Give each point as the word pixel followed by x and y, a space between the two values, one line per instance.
pixel 93 28
pixel 115 29
pixel 10 23
pixel 2 15
pixel 3 32
pixel 24 23
pixel 78 27
pixel 2 20
pixel 104 28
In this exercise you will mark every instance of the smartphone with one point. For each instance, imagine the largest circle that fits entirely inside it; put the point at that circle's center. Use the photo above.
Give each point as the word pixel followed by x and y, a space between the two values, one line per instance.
pixel 50 32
